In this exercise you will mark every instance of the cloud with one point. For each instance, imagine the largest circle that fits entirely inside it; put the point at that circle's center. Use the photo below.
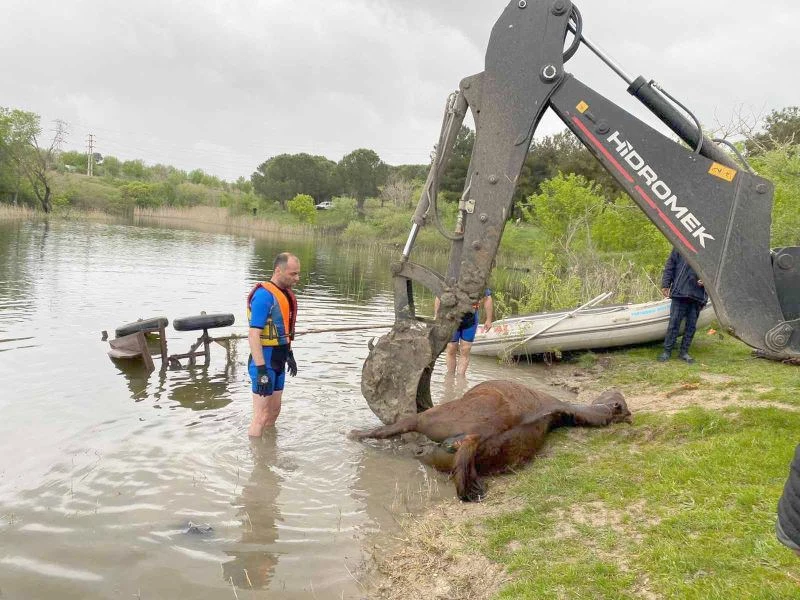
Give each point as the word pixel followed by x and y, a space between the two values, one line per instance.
pixel 223 85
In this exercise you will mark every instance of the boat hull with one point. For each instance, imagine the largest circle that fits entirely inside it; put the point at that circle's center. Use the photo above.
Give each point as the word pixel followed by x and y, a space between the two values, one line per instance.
pixel 603 327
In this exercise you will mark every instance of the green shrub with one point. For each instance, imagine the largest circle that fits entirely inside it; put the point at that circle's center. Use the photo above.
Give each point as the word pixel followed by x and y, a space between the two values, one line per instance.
pixel 141 194
pixel 302 206
pixel 623 227
pixel 565 210
pixel 358 232
pixel 782 166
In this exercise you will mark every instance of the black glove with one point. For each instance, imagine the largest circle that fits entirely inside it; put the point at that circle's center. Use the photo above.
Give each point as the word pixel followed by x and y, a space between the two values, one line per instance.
pixel 291 365
pixel 264 385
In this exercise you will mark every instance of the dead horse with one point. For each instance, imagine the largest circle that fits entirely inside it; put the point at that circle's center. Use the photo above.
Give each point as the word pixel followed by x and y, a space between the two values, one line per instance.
pixel 495 426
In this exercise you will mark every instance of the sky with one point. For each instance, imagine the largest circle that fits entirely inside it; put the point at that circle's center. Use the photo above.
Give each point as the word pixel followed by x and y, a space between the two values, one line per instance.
pixel 223 85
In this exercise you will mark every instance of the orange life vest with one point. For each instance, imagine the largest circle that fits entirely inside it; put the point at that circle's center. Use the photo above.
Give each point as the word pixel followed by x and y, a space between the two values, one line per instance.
pixel 279 328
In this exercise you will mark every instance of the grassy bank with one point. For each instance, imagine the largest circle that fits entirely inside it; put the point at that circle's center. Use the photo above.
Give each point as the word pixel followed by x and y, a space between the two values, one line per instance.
pixel 681 504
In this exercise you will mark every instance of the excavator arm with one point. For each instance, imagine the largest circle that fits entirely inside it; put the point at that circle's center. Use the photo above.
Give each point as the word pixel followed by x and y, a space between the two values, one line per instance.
pixel 713 210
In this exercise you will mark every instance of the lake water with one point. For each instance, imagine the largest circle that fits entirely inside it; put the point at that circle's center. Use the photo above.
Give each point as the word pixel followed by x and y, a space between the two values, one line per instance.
pixel 103 467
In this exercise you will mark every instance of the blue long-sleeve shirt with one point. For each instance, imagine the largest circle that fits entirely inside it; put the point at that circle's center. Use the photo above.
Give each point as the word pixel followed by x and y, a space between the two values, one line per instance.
pixel 681 279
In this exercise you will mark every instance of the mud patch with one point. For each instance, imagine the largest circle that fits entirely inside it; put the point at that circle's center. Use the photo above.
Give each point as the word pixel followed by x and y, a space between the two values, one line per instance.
pixel 714 391
pixel 431 559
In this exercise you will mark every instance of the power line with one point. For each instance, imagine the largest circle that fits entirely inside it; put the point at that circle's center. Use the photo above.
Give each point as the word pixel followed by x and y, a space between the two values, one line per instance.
pixel 90 155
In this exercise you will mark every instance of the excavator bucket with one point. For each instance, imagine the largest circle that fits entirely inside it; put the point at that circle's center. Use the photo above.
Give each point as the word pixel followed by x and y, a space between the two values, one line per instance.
pixel 395 379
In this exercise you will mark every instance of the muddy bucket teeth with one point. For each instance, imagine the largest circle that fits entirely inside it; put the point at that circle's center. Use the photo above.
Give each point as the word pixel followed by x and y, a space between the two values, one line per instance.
pixel 395 378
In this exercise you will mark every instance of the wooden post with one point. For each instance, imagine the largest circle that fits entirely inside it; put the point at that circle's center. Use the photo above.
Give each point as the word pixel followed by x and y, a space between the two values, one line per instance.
pixel 148 360
pixel 162 338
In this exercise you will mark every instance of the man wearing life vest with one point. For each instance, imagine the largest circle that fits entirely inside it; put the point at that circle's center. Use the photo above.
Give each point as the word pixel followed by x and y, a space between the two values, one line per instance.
pixel 271 312
pixel 461 344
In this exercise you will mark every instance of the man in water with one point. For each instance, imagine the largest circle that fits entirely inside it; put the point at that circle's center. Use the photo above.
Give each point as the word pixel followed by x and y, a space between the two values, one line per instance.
pixel 459 347
pixel 271 314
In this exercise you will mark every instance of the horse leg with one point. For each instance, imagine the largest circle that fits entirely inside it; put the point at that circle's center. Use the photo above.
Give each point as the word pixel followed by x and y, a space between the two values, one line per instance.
pixel 403 425
pixel 468 486
pixel 512 447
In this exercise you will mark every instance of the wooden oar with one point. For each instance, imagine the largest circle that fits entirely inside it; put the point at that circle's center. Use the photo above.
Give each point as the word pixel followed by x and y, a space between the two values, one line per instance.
pixel 589 304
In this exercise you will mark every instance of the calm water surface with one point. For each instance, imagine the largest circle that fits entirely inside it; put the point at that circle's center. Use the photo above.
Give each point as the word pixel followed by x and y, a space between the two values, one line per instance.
pixel 103 468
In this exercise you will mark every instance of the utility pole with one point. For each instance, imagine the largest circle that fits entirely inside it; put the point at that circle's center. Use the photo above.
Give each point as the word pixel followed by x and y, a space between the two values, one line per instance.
pixel 90 154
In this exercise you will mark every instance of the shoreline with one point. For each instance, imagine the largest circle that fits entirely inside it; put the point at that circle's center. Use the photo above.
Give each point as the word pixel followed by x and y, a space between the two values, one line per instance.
pixel 440 554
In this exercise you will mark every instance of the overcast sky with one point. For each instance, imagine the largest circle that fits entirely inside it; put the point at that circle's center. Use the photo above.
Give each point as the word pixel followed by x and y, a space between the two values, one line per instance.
pixel 222 85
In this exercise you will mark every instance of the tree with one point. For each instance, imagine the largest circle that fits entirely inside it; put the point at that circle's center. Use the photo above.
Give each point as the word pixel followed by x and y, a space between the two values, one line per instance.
pixel 782 166
pixel 362 172
pixel 562 153
pixel 455 173
pixel 73 161
pixel 9 181
pixel 410 172
pixel 781 128
pixel 302 206
pixel 243 185
pixel 284 176
pixel 398 191
pixel 565 210
pixel 142 194
pixel 22 150
pixel 134 169
pixel 112 166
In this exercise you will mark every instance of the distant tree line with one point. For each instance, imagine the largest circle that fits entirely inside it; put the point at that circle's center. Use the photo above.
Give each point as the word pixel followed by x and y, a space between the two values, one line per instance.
pixel 362 174
pixel 29 161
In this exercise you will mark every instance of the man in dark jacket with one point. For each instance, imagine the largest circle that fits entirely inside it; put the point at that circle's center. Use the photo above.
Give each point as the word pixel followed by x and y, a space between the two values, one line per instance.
pixel 787 528
pixel 680 283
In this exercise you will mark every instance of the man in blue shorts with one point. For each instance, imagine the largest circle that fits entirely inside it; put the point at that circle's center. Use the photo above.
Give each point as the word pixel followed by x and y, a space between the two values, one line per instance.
pixel 271 313
pixel 460 345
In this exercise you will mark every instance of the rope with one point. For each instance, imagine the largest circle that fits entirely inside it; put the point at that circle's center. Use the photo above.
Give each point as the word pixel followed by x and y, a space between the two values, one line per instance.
pixel 239 336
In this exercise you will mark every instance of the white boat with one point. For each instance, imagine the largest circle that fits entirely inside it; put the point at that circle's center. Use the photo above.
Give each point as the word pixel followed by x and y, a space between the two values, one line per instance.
pixel 580 329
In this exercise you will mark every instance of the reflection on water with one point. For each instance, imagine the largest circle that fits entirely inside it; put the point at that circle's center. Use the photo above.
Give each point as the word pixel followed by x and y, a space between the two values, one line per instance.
pixel 252 564
pixel 100 450
pixel 454 387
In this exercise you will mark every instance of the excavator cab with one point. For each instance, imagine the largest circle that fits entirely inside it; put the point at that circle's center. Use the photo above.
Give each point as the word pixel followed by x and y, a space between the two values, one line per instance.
pixel 702 196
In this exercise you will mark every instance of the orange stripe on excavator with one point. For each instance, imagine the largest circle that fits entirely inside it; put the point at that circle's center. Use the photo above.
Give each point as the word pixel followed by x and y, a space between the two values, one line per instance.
pixel 628 177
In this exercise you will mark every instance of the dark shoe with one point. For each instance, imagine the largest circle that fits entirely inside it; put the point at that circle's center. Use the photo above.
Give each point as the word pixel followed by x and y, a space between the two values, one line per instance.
pixel 686 358
pixel 663 357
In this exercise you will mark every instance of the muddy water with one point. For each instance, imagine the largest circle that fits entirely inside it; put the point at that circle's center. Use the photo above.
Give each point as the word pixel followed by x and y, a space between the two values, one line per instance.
pixel 104 469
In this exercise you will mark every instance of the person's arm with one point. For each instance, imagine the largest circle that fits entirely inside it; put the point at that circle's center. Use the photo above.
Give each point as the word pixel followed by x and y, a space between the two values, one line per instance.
pixel 254 341
pixel 669 274
pixel 259 310
pixel 488 307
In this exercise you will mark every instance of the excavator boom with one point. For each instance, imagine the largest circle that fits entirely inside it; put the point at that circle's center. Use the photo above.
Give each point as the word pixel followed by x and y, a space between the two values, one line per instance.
pixel 713 210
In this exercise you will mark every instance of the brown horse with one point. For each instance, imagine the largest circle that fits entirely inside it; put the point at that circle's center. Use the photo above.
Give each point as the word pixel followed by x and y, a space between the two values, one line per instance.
pixel 495 426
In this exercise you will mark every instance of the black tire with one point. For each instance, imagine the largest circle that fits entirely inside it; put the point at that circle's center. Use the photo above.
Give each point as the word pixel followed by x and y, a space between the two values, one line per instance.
pixel 145 325
pixel 203 322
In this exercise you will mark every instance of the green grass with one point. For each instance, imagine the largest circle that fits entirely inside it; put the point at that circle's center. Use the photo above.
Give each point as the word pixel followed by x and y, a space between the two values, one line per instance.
pixel 680 507
pixel 726 362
